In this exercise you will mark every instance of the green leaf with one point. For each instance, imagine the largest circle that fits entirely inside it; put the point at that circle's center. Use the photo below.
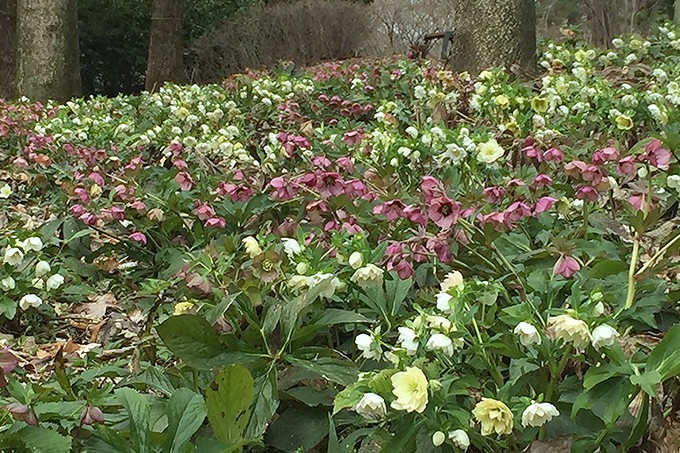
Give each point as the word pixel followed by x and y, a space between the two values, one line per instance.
pixel 397 290
pixel 186 412
pixel 298 427
pixel 334 316
pixel 139 413
pixel 333 444
pixel 648 381
pixel 44 440
pixel 193 340
pixel 8 307
pixel 265 405
pixel 336 370
pixel 665 357
pixel 349 396
pixel 228 402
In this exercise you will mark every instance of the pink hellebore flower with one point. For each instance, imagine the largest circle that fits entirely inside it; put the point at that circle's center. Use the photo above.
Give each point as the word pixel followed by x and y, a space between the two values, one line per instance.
pixel 403 268
pixel 638 201
pixel 345 163
pixel 493 194
pixel 431 188
pixel 330 184
pixel 415 215
pixel 496 219
pixel 215 222
pixel 393 209
pixel 586 193
pixel 184 180
pixel 656 155
pixel 443 212
pixel 626 166
pixel 97 179
pixel 543 204
pixel 541 181
pixel 352 137
pixel 516 211
pixel 575 167
pixel 138 236
pixel 553 155
pixel 138 206
pixel 204 212
pixel 566 266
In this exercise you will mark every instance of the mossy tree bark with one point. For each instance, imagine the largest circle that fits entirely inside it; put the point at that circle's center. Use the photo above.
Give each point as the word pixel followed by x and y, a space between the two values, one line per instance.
pixel 8 16
pixel 48 61
pixel 166 47
pixel 493 33
pixel 677 12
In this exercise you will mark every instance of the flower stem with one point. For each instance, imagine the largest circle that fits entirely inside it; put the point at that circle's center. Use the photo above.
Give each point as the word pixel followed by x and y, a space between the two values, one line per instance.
pixel 555 375
pixel 630 296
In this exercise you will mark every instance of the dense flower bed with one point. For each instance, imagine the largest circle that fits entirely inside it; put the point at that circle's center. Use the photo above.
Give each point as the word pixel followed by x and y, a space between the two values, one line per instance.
pixel 372 255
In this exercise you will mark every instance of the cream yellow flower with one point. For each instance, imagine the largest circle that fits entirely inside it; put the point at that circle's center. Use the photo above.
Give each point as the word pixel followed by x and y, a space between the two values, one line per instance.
pixel 489 152
pixel 624 122
pixel 501 101
pixel 494 416
pixel 452 280
pixel 182 307
pixel 369 275
pixel 410 388
pixel 570 330
pixel 252 247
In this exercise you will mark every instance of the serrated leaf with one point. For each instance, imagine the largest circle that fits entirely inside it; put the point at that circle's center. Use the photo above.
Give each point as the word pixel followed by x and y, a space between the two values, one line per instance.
pixel 264 406
pixel 44 440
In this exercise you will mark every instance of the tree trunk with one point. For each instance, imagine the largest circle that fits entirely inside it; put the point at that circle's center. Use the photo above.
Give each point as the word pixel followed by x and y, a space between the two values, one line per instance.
pixel 165 63
pixel 493 33
pixel 48 60
pixel 8 17
pixel 677 12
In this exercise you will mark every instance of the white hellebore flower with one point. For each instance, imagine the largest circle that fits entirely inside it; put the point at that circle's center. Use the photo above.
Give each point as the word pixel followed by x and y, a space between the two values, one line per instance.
pixel 441 342
pixel 407 339
pixel 528 334
pixel 42 268
pixel 55 281
pixel 460 439
pixel 369 348
pixel 291 247
pixel 538 414
pixel 32 243
pixel 444 301
pixel 326 284
pixel 5 191
pixel 13 256
pixel 356 260
pixel 30 300
pixel 7 284
pixel 252 247
pixel 604 335
pixel 371 406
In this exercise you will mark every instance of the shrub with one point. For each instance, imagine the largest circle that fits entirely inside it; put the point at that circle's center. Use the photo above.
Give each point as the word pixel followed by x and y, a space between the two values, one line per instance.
pixel 304 32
